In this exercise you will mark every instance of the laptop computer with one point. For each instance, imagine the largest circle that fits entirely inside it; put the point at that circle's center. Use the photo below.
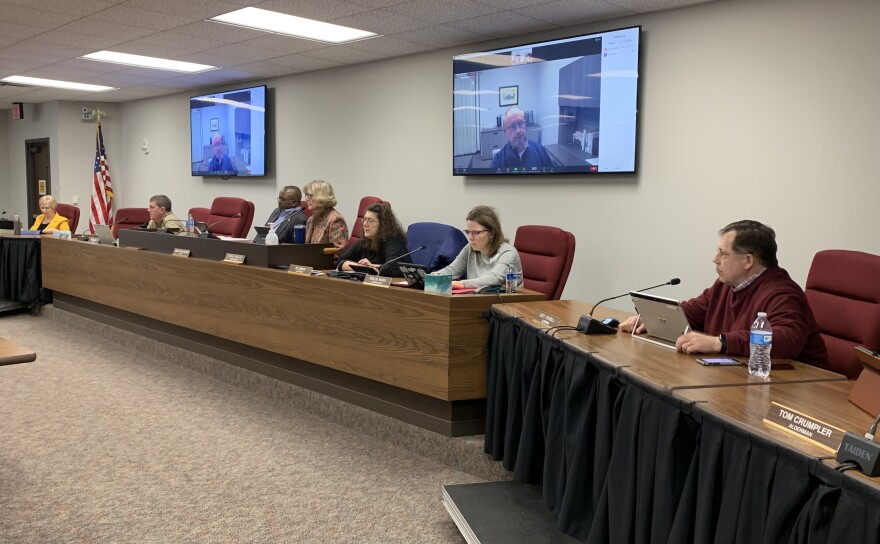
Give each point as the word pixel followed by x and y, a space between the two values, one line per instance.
pixel 414 274
pixel 105 234
pixel 260 238
pixel 663 318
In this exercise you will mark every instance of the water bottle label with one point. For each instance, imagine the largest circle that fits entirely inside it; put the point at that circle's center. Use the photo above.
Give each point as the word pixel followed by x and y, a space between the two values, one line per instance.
pixel 761 338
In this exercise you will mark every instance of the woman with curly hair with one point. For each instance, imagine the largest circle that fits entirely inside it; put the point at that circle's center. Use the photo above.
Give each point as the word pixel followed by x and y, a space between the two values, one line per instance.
pixel 384 239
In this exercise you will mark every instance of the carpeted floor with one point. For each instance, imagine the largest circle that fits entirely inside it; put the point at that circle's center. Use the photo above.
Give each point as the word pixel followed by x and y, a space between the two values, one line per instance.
pixel 101 443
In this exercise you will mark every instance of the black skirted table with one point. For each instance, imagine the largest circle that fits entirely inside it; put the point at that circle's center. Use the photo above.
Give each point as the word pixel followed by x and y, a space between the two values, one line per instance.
pixel 20 270
pixel 622 459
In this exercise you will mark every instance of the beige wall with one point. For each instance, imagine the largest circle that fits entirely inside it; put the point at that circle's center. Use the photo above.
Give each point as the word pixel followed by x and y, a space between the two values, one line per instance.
pixel 5 119
pixel 758 109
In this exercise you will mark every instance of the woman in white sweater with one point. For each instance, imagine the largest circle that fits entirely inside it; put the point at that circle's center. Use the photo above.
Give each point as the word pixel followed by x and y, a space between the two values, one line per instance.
pixel 488 254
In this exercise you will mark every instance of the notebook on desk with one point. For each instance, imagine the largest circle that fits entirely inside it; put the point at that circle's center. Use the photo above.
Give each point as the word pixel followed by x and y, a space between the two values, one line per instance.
pixel 663 318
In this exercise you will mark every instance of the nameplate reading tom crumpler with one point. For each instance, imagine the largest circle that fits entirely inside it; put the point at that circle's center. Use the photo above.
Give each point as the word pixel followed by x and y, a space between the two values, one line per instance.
pixel 804 426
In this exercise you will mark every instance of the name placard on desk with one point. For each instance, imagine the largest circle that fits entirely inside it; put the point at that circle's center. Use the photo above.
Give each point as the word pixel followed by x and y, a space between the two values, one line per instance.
pixel 547 319
pixel 807 427
pixel 233 258
pixel 178 252
pixel 378 281
pixel 300 270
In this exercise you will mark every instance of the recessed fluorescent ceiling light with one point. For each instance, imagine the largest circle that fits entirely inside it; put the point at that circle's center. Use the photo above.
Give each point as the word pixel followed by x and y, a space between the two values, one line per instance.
pixel 290 25
pixel 40 82
pixel 148 62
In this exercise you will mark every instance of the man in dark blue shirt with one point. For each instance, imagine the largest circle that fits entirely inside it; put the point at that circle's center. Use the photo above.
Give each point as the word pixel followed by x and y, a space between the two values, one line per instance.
pixel 220 161
pixel 288 214
pixel 519 152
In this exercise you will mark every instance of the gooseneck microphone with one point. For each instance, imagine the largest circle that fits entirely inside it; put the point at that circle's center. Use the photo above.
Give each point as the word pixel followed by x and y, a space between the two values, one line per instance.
pixel 588 325
pixel 383 265
pixel 207 233
pixel 395 259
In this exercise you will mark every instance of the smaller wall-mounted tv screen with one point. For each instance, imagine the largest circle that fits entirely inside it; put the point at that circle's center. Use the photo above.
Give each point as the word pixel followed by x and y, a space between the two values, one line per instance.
pixel 558 107
pixel 228 133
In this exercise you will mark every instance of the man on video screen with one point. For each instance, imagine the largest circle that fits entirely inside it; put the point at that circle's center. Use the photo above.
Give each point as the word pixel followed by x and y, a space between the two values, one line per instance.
pixel 220 161
pixel 519 152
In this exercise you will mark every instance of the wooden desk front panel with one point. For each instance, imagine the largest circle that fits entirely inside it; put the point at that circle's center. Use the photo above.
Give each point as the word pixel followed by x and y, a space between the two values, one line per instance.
pixel 663 368
pixel 431 344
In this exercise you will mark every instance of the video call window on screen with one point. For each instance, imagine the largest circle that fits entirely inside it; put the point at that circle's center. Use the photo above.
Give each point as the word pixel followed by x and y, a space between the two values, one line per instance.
pixel 559 107
pixel 228 133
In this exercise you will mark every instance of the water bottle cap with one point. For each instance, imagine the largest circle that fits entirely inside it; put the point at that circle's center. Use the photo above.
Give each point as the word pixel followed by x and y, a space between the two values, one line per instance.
pixel 762 314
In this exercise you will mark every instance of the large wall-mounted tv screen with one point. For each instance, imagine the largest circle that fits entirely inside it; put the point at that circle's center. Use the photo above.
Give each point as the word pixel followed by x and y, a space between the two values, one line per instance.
pixel 559 107
pixel 228 133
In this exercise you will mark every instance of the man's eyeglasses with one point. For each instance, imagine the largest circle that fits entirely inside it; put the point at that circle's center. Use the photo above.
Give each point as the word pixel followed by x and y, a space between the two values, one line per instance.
pixel 474 233
pixel 516 125
pixel 724 254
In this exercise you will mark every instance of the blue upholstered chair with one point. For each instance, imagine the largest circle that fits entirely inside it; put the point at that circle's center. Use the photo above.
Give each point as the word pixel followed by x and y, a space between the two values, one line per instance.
pixel 443 244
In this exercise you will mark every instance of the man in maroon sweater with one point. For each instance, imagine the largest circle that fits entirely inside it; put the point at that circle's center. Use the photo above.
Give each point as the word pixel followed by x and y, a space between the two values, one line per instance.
pixel 750 281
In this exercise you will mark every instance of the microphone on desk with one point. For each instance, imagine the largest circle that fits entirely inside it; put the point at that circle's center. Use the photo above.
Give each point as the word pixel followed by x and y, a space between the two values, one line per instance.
pixel 383 265
pixel 588 325
pixel 207 233
pixel 861 451
pixel 395 259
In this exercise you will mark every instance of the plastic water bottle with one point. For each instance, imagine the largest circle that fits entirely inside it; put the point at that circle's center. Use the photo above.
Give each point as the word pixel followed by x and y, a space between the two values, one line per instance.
pixel 190 225
pixel 512 280
pixel 271 238
pixel 760 342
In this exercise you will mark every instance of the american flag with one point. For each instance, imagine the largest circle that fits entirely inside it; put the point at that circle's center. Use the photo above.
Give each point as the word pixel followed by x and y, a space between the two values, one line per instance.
pixel 102 191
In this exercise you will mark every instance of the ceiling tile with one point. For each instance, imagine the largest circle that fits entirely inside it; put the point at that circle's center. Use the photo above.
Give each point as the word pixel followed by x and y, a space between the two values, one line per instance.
pixel 284 44
pixel 41 53
pixel 219 77
pixel 441 36
pixel 142 18
pixel 117 31
pixel 381 22
pixel 503 24
pixel 35 17
pixel 76 40
pixel 644 6
pixel 80 8
pixel 303 62
pixel 219 32
pixel 266 69
pixel 68 71
pixel 244 52
pixel 193 9
pixel 511 4
pixel 180 42
pixel 342 54
pixel 17 30
pixel 441 12
pixel 389 46
pixel 379 3
pixel 320 10
pixel 572 12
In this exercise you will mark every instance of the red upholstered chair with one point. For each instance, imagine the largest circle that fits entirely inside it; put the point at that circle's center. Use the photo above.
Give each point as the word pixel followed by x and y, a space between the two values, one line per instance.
pixel 200 214
pixel 357 228
pixel 843 289
pixel 71 212
pixel 129 218
pixel 223 221
pixel 546 254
